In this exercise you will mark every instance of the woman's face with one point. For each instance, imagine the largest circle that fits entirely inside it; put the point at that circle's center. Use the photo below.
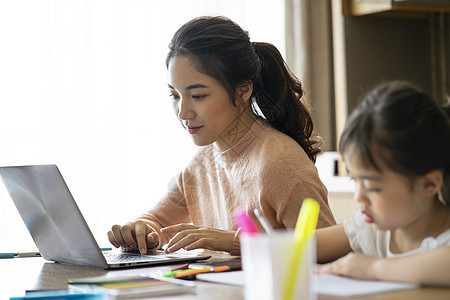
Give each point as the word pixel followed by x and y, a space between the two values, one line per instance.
pixel 201 104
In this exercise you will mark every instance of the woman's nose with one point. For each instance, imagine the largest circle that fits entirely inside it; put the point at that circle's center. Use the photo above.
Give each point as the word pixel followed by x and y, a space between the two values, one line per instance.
pixel 184 109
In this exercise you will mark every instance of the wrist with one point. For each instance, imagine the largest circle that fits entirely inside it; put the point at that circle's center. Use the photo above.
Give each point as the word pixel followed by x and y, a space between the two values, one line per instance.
pixel 236 245
pixel 377 267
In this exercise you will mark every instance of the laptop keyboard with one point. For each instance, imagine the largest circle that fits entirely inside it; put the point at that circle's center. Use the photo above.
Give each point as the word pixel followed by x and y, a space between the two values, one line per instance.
pixel 130 257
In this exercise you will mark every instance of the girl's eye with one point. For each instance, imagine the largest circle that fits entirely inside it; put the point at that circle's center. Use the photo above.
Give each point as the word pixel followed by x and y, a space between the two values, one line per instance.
pixel 372 189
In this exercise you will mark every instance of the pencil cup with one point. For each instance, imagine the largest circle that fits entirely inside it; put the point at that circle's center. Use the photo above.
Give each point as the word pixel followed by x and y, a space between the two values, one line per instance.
pixel 267 261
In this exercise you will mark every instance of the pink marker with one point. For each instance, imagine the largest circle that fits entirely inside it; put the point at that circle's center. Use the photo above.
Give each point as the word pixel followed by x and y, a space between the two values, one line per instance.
pixel 244 221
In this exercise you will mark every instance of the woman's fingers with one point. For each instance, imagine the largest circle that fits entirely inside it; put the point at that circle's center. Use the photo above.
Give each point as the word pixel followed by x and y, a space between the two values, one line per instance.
pixel 152 240
pixel 192 237
pixel 128 235
pixel 117 238
pixel 112 239
pixel 138 236
pixel 133 236
pixel 181 240
pixel 141 231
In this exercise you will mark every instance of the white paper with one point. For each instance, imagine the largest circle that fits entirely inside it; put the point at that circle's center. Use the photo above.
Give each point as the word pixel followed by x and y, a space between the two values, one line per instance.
pixel 231 278
pixel 325 284
pixel 339 286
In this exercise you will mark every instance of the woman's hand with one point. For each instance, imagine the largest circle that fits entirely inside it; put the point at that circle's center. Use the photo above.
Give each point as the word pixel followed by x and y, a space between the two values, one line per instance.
pixel 133 236
pixel 354 265
pixel 191 237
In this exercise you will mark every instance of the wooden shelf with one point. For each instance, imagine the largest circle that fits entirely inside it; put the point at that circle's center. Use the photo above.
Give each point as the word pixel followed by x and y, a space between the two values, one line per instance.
pixel 367 7
pixel 376 41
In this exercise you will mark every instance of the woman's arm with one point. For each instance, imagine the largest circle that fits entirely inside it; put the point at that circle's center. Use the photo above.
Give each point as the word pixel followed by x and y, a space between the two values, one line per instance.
pixel 332 243
pixel 429 268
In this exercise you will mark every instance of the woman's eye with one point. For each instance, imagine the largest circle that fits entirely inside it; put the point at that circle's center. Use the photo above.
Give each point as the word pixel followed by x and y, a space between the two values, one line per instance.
pixel 174 97
pixel 198 97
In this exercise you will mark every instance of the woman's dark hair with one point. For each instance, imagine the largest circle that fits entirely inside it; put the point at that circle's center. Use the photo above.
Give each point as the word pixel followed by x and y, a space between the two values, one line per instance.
pixel 408 124
pixel 222 49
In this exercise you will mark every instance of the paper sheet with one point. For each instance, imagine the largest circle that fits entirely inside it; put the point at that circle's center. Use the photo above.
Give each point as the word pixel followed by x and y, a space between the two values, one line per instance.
pixel 325 284
pixel 231 278
pixel 338 286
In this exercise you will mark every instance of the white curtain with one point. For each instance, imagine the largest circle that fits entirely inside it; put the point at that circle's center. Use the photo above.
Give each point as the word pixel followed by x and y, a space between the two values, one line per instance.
pixel 309 54
pixel 83 85
pixel 297 39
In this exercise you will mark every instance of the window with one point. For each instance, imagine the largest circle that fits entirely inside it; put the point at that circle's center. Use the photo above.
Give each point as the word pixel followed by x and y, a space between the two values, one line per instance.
pixel 83 85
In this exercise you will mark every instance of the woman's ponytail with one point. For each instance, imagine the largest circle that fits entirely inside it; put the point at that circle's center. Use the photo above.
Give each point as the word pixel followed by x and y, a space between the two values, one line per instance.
pixel 278 94
pixel 444 194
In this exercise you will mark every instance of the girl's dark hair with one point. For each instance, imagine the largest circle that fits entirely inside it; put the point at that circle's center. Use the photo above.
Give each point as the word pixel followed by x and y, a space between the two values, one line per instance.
pixel 406 122
pixel 222 49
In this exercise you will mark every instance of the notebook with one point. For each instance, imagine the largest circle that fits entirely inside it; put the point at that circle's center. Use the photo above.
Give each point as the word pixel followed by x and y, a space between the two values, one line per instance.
pixel 58 228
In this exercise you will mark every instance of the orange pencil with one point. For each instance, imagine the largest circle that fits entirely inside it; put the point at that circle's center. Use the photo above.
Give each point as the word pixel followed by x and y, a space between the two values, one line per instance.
pixel 198 271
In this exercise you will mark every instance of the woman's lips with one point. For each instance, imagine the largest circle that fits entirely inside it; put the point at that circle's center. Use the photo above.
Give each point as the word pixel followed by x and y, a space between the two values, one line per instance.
pixel 193 130
pixel 368 218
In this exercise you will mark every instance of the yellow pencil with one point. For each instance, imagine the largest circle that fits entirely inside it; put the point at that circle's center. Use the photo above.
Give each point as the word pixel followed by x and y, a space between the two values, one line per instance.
pixel 304 231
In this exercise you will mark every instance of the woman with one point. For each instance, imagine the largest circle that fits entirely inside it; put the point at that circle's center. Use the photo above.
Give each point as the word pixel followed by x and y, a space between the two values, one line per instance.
pixel 238 100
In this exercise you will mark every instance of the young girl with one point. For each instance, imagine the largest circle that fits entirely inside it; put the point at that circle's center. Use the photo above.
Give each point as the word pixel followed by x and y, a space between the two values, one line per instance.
pixel 238 100
pixel 396 146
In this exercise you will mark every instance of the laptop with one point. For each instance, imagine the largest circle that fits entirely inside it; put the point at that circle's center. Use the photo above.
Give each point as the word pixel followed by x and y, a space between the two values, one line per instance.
pixel 59 229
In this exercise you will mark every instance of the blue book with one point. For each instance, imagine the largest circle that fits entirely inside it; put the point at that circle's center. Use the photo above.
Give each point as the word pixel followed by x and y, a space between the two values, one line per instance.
pixel 59 295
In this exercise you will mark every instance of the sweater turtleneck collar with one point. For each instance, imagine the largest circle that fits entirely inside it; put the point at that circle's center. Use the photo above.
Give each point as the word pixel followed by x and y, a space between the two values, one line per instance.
pixel 241 146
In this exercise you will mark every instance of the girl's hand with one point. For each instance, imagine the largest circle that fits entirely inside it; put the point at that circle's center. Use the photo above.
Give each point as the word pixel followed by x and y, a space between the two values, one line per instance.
pixel 354 265
pixel 133 236
pixel 191 237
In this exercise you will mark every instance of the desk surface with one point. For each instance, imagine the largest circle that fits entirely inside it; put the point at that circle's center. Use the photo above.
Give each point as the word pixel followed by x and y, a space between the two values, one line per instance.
pixel 20 274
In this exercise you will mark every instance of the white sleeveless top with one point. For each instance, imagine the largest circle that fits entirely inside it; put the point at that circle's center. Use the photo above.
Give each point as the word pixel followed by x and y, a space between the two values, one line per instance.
pixel 365 238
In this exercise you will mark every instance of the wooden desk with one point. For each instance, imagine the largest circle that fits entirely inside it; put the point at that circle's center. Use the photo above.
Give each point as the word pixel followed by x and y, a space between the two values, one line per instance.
pixel 20 274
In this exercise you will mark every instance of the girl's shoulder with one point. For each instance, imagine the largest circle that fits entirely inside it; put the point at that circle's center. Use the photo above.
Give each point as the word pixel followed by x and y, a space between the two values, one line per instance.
pixel 441 240
pixel 431 243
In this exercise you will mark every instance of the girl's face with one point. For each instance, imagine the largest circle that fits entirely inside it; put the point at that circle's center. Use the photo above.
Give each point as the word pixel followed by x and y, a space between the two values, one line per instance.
pixel 201 104
pixel 388 200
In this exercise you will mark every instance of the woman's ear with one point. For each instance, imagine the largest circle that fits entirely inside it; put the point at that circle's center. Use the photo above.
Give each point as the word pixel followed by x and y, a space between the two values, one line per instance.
pixel 244 91
pixel 432 183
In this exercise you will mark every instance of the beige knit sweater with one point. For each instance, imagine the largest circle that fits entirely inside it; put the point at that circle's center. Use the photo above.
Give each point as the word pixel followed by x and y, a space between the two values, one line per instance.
pixel 265 169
